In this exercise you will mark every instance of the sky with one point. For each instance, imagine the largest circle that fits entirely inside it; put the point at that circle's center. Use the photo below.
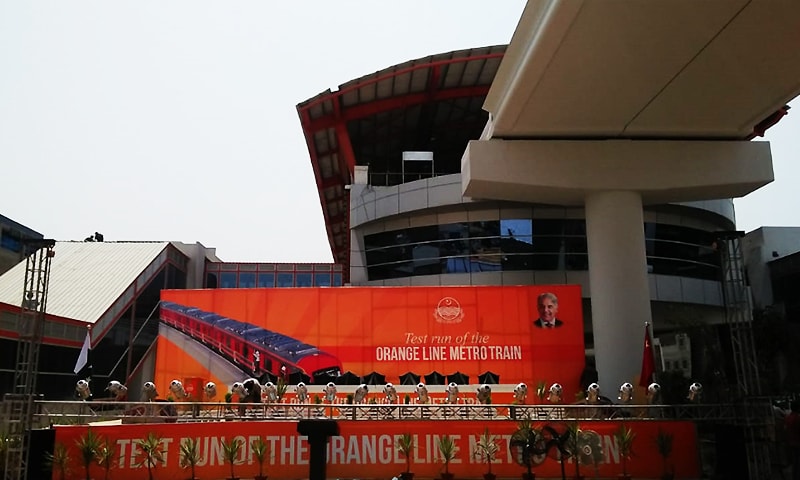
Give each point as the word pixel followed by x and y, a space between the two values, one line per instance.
pixel 177 120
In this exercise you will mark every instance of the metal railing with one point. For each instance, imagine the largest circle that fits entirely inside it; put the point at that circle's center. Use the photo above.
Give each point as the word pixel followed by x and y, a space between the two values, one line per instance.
pixel 49 413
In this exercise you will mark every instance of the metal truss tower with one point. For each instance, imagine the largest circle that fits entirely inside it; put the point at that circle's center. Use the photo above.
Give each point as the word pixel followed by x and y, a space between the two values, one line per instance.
pixel 756 417
pixel 19 404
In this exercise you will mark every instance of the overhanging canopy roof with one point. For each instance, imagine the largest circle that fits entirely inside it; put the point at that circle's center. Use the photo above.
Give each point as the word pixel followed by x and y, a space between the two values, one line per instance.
pixel 429 104
pixel 631 69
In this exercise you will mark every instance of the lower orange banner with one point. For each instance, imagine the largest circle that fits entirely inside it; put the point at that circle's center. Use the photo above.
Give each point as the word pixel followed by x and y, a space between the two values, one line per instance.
pixel 368 449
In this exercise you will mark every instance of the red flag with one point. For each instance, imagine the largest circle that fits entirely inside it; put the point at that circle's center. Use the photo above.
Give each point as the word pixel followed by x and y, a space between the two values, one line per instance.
pixel 648 360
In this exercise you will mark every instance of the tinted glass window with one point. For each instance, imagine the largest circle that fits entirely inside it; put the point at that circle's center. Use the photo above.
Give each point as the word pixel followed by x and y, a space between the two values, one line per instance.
pixel 303 280
pixel 266 280
pixel 247 280
pixel 286 279
pixel 524 244
pixel 322 279
pixel 227 280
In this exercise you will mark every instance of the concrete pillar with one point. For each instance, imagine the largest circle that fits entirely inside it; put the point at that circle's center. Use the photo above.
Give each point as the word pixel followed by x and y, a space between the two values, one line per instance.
pixel 619 285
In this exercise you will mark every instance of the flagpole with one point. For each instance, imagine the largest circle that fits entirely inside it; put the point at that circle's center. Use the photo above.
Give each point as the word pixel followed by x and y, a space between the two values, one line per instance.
pixel 89 353
pixel 83 356
pixel 649 329
pixel 647 373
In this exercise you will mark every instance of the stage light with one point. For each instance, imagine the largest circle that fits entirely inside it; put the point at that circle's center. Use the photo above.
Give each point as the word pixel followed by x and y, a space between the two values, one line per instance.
pixel 330 392
pixel 452 393
pixel 484 394
pixel 653 393
pixel 149 391
pixel 301 392
pixel 176 387
pixel 270 392
pixel 390 392
pixel 593 393
pixel 625 393
pixel 555 393
pixel 360 393
pixel 695 391
pixel 422 393
pixel 117 390
pixel 210 390
pixel 82 390
pixel 520 392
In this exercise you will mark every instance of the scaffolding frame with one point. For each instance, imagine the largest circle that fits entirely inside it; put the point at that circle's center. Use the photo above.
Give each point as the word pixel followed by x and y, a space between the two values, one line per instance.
pixel 754 421
pixel 20 406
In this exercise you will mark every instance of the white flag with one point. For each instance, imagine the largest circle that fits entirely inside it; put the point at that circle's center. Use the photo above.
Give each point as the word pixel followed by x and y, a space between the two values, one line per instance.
pixel 83 358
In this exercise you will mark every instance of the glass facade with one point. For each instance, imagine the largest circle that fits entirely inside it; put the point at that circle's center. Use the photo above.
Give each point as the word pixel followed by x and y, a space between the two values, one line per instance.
pixel 525 244
pixel 270 275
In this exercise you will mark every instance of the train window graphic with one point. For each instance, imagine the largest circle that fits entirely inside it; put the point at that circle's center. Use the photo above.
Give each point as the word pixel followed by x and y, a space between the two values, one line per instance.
pixel 253 348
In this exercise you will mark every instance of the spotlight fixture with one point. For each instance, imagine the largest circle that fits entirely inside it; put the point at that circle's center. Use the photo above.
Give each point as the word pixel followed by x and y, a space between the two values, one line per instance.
pixel 653 393
pixel 301 391
pixel 555 393
pixel 695 391
pixel 484 394
pixel 330 392
pixel 520 393
pixel 626 393
pixel 593 393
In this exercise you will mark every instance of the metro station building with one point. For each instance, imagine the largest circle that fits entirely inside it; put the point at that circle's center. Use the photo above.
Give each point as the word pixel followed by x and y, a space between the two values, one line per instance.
pixel 387 153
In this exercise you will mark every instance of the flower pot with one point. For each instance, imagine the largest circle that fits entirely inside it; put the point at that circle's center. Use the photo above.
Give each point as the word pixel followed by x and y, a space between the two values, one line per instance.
pixel 528 476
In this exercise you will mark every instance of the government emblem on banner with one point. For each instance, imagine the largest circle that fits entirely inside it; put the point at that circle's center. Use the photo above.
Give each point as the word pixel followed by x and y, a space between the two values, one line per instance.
pixel 448 310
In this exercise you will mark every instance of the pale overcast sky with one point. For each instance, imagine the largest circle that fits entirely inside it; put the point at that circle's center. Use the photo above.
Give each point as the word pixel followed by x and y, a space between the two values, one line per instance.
pixel 176 120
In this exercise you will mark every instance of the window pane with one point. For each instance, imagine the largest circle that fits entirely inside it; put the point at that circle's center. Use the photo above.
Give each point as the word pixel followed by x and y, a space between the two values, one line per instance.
pixel 227 280
pixel 322 279
pixel 266 280
pixel 286 280
pixel 247 280
pixel 485 252
pixel 337 279
pixel 517 244
pixel 303 279
pixel 547 237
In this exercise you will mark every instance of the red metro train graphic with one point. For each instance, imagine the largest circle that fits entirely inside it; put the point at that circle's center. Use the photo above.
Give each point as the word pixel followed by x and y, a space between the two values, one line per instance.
pixel 252 348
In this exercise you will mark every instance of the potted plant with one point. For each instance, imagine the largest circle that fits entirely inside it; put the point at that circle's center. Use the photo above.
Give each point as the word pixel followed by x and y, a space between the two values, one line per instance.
pixel 190 455
pixel 624 437
pixel 486 451
pixel 574 447
pixel 152 452
pixel 405 445
pixel 230 451
pixel 260 450
pixel 58 460
pixel 88 446
pixel 106 458
pixel 527 442
pixel 541 390
pixel 664 446
pixel 448 449
pixel 280 389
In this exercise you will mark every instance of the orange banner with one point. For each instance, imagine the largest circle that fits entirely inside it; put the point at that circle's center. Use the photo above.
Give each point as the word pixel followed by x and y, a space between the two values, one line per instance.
pixel 391 331
pixel 367 449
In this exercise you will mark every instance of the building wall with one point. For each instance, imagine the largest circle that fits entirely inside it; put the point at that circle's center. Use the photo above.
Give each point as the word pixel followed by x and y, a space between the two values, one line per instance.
pixel 12 234
pixel 762 246
pixel 269 275
pixel 437 201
